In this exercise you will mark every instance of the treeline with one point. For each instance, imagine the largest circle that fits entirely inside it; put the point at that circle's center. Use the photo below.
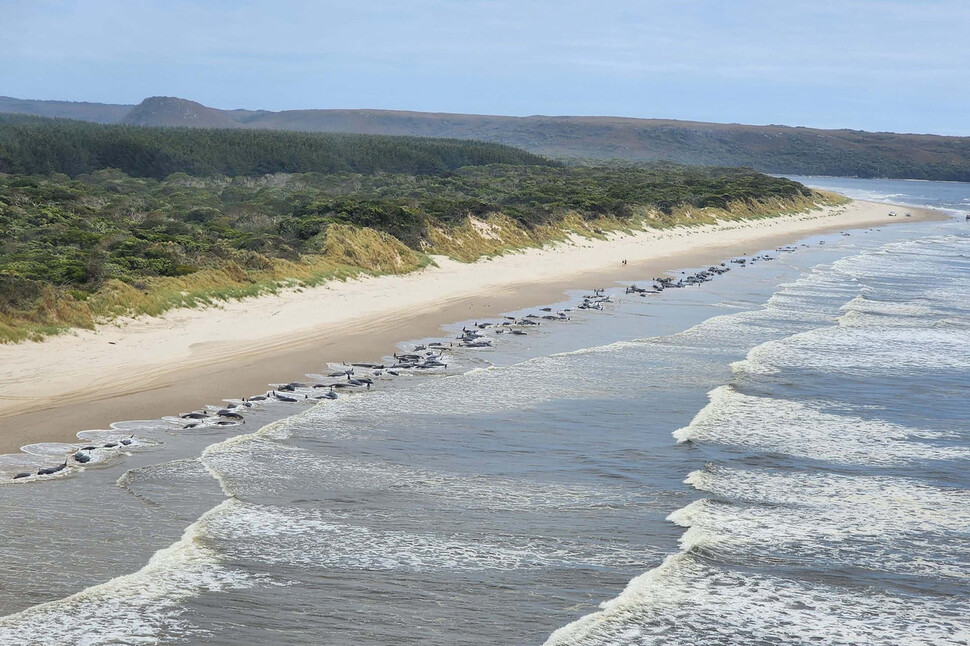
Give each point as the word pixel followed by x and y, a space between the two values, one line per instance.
pixel 804 151
pixel 40 146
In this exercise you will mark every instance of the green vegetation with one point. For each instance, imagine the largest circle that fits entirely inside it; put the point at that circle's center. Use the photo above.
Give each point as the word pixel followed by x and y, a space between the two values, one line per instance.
pixel 101 244
pixel 35 145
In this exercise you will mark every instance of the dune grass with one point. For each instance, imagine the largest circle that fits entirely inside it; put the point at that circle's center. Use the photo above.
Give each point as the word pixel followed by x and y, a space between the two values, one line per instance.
pixel 346 251
pixel 349 253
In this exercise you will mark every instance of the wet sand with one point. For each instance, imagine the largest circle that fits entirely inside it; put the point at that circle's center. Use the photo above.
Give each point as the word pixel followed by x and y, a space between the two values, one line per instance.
pixel 147 368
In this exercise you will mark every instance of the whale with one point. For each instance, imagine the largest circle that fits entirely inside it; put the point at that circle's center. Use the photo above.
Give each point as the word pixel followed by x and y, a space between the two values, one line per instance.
pixel 49 470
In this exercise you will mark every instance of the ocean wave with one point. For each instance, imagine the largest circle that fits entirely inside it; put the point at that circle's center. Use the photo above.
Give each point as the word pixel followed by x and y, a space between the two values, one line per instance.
pixel 887 351
pixel 804 429
pixel 261 466
pixel 869 523
pixel 881 316
pixel 689 600
pixel 316 539
pixel 142 607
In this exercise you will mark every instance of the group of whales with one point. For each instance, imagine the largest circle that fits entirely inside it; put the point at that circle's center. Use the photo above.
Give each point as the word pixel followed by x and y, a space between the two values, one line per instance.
pixel 474 337
pixel 705 275
pixel 81 455
pixel 422 357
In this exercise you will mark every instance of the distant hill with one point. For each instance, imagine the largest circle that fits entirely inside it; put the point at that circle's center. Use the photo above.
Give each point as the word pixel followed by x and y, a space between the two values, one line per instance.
pixel 167 111
pixel 774 149
pixel 96 112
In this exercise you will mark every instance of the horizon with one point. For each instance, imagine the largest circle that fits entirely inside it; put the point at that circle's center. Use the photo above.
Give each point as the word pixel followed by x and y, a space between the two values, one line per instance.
pixel 480 114
pixel 873 65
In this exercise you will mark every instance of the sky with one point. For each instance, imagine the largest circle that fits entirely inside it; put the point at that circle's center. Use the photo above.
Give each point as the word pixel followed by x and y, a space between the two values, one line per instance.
pixel 888 65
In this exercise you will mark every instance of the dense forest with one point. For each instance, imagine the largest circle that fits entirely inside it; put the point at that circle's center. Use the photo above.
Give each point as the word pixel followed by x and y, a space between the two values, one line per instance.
pixel 35 145
pixel 102 243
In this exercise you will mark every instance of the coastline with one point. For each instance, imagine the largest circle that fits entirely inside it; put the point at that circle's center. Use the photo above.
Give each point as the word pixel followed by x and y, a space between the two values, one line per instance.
pixel 146 368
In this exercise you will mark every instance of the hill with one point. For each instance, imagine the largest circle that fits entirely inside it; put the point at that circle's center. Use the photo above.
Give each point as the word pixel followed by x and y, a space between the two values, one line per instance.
pixel 772 149
pixel 35 145
pixel 96 112
pixel 167 111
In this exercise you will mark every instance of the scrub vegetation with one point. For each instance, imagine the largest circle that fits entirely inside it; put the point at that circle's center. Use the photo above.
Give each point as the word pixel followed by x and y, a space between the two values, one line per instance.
pixel 95 244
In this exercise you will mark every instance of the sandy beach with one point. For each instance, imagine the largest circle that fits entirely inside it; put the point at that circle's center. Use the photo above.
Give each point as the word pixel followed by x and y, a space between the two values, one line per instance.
pixel 146 368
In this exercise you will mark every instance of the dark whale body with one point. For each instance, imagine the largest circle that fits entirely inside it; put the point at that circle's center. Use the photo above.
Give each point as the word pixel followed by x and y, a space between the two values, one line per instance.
pixel 49 470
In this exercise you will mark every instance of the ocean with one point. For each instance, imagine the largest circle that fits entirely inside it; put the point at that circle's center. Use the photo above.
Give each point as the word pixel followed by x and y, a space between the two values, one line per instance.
pixel 777 456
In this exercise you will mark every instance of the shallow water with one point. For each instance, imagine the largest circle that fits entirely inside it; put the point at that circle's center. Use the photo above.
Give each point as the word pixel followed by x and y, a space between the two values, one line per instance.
pixel 777 456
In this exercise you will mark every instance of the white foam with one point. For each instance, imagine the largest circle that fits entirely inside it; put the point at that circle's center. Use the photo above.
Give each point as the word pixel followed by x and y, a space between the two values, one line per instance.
pixel 862 311
pixel 863 351
pixel 804 429
pixel 138 608
pixel 880 527
pixel 259 465
pixel 309 538
pixel 688 601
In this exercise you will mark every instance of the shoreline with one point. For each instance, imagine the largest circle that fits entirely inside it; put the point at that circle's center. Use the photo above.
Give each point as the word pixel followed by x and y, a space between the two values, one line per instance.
pixel 147 368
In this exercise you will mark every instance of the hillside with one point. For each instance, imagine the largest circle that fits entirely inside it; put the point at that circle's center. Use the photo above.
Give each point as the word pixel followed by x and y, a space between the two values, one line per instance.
pixel 166 111
pixel 773 149
pixel 35 145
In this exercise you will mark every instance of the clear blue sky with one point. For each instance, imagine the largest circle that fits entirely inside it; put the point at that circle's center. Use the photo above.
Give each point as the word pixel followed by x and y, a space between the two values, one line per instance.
pixel 899 65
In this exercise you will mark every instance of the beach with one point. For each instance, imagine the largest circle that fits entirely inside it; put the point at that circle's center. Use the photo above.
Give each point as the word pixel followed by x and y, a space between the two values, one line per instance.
pixel 682 466
pixel 149 367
